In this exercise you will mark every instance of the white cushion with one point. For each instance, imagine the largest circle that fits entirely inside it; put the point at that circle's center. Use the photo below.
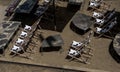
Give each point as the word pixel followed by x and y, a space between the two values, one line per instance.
pixel 15 49
pixel 94 4
pixel 100 21
pixel 96 14
pixel 73 52
pixel 19 41
pixel 27 27
pixel 98 29
pixel 23 34
pixel 76 44
pixel 46 0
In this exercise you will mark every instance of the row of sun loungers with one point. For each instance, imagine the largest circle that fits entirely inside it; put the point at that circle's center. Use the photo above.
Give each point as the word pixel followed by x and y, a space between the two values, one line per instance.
pixel 80 50
pixel 104 20
pixel 22 40
pixel 105 25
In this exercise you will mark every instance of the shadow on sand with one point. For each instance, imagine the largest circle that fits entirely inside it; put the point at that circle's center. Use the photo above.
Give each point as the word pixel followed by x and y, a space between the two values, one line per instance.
pixel 116 29
pixel 63 16
pixel 28 19
pixel 77 30
pixel 113 53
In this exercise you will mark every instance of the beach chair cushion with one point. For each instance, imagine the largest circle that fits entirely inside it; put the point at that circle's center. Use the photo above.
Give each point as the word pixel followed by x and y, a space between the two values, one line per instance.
pixel 19 41
pixel 100 21
pixel 16 49
pixel 76 44
pixel 73 52
pixel 97 14
pixel 23 34
pixel 27 28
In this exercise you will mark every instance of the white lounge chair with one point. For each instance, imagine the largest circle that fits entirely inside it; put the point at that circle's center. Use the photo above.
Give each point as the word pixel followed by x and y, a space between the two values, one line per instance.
pixel 20 42
pixel 77 54
pixel 73 52
pixel 100 21
pixel 27 28
pixel 76 44
pixel 98 30
pixel 16 49
pixel 94 4
pixel 97 14
pixel 23 34
pixel 46 1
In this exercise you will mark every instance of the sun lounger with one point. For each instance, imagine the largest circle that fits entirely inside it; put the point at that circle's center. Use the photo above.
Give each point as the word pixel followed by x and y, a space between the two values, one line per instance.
pixel 27 28
pixel 23 34
pixel 16 49
pixel 97 14
pixel 20 42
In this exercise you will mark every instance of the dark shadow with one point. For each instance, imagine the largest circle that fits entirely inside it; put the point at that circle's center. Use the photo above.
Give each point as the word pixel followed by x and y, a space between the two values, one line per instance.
pixel 3 47
pixel 69 57
pixel 50 40
pixel 41 37
pixel 1 51
pixel 63 16
pixel 12 53
pixel 49 49
pixel 28 19
pixel 73 7
pixel 113 53
pixel 116 28
pixel 105 35
pixel 78 30
pixel 25 18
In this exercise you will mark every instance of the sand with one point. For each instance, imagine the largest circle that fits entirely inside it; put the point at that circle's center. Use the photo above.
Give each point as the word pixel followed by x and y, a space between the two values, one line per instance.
pixel 101 60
